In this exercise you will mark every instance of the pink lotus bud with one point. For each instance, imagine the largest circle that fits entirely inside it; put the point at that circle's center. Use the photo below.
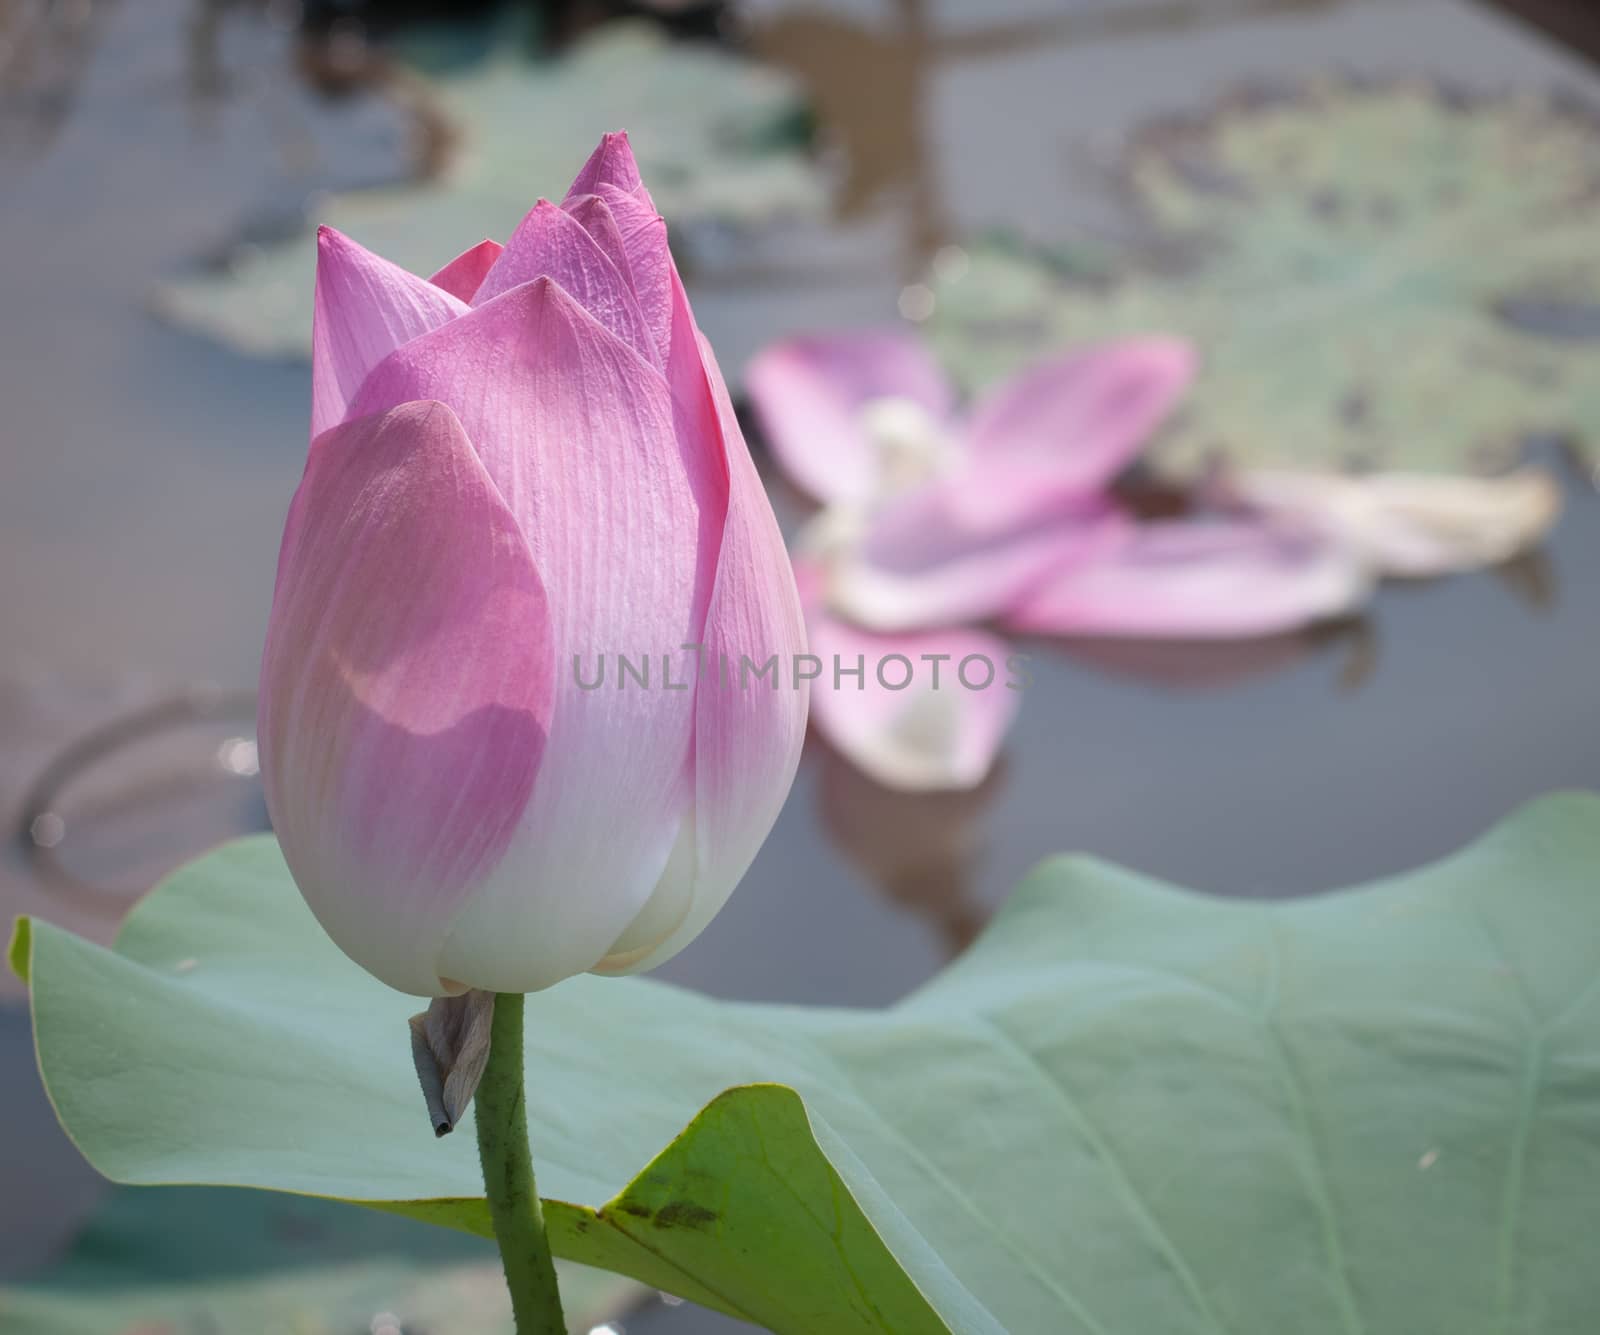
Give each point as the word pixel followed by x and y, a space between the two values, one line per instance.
pixel 522 469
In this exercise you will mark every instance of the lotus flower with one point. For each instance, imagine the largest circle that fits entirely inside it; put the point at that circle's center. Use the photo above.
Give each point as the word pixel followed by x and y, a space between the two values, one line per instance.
pixel 934 518
pixel 528 459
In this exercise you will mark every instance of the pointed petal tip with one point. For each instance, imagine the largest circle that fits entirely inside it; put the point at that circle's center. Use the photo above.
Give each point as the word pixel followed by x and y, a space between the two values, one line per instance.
pixel 551 243
pixel 611 163
pixel 541 207
pixel 365 307
pixel 331 239
pixel 544 290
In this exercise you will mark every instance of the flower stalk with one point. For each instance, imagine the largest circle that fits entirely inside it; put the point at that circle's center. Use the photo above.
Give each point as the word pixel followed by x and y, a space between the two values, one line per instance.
pixel 508 1177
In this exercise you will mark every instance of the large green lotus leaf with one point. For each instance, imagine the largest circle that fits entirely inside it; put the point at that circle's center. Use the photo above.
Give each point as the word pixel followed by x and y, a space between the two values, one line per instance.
pixel 1379 277
pixel 194 1262
pixel 1126 1109
pixel 717 137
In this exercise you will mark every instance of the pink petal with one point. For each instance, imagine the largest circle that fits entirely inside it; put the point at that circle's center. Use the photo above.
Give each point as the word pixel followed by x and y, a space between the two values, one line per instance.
pixel 550 243
pixel 578 433
pixel 594 215
pixel 809 394
pixel 406 686
pixel 1071 424
pixel 921 564
pixel 365 308
pixel 610 164
pixel 644 237
pixel 926 736
pixel 462 277
pixel 748 733
pixel 1198 579
pixel 626 226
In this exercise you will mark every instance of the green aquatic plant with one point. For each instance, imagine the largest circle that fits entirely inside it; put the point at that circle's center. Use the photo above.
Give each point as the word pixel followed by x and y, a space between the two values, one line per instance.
pixel 1389 277
pixel 1126 1108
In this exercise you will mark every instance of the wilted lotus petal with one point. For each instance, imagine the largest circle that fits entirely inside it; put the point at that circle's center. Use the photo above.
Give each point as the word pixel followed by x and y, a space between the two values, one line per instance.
pixel 1416 524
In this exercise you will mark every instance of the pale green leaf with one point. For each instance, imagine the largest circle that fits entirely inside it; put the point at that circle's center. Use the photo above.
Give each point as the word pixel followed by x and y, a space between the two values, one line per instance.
pixel 1127 1109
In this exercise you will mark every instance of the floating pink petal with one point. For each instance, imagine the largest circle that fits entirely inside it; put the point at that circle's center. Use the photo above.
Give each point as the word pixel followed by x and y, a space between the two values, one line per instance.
pixel 1203 579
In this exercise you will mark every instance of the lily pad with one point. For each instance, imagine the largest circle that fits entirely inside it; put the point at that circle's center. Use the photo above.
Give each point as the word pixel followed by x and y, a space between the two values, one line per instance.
pixel 1126 1108
pixel 1379 277
pixel 193 1262
pixel 720 141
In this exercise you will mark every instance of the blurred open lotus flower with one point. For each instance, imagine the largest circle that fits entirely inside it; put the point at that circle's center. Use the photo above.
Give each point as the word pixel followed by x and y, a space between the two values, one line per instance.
pixel 527 459
pixel 1005 513
pixel 933 518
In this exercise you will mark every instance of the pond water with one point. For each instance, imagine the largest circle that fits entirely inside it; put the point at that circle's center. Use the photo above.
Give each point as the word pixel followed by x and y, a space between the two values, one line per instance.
pixel 144 474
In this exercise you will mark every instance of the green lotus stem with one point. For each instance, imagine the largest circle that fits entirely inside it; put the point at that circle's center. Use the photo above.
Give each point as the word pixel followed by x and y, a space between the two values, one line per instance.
pixel 508 1177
